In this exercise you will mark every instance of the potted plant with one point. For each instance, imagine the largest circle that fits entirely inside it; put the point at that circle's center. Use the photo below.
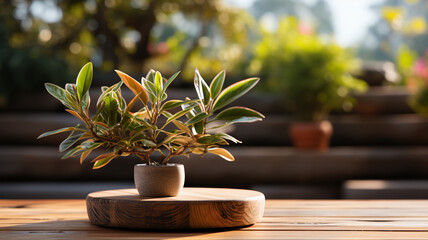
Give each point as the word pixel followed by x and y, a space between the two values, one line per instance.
pixel 121 131
pixel 313 77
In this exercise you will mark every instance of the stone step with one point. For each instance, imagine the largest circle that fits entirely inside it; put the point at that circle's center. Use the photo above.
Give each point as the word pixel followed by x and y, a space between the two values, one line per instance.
pixel 253 166
pixel 377 100
pixel 57 190
pixel 363 130
pixel 79 190
pixel 385 189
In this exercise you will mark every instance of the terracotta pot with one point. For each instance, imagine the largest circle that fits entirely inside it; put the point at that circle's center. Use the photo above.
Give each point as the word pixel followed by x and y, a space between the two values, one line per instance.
pixel 311 135
pixel 159 181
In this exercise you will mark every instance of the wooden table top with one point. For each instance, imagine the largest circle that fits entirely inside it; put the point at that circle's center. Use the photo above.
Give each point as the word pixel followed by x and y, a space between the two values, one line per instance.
pixel 283 219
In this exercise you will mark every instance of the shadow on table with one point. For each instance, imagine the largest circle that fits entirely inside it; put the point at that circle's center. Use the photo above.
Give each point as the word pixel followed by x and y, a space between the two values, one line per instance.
pixel 44 228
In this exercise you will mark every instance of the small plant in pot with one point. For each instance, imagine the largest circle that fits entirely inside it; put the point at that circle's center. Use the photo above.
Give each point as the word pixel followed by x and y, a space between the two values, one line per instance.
pixel 168 127
pixel 312 75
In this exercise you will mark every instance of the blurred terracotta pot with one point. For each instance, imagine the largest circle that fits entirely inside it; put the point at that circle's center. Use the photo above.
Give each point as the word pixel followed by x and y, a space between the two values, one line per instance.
pixel 311 135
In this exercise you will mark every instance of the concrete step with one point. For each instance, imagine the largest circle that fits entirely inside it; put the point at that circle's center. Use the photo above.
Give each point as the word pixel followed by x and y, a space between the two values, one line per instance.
pixel 253 166
pixel 362 130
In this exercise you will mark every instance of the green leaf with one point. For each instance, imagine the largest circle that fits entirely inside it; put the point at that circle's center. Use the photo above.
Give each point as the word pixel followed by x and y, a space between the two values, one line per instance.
pixel 63 96
pixel 66 129
pixel 178 114
pixel 227 137
pixel 69 141
pixel 111 109
pixel 103 160
pixel 117 86
pixel 201 116
pixel 199 127
pixel 73 152
pixel 211 139
pixel 107 90
pixel 86 101
pixel 70 88
pixel 148 143
pixel 72 97
pixel 166 114
pixel 217 84
pixel 137 137
pixel 239 120
pixel 175 103
pixel 90 145
pixel 222 153
pixel 202 89
pixel 233 92
pixel 84 146
pixel 151 75
pixel 151 89
pixel 236 113
pixel 158 84
pixel 145 123
pixel 169 82
pixel 84 80
pixel 163 97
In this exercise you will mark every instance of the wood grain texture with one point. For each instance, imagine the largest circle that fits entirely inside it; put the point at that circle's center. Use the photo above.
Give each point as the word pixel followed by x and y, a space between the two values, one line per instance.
pixel 193 208
pixel 283 219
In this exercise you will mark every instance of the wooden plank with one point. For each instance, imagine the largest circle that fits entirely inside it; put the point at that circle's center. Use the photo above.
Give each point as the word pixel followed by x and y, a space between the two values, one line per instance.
pixel 193 208
pixel 236 234
pixel 284 219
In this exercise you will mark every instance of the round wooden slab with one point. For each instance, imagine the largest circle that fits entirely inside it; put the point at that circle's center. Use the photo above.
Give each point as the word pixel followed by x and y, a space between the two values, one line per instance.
pixel 193 208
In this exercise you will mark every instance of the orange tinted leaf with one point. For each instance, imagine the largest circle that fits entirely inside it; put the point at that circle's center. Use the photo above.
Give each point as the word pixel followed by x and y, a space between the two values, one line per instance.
pixel 66 129
pixel 222 153
pixel 74 113
pixel 132 102
pixel 84 155
pixel 103 160
pixel 102 125
pixel 143 115
pixel 135 87
pixel 182 126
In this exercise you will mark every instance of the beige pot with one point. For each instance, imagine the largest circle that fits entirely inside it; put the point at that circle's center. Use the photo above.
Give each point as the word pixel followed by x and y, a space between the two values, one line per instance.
pixel 311 135
pixel 159 181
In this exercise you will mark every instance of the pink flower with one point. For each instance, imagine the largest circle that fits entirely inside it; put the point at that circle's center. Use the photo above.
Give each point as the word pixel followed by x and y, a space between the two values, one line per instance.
pixel 305 29
pixel 420 68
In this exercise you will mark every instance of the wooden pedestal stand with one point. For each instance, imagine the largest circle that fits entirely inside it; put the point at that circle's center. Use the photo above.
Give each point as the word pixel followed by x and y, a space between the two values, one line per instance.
pixel 193 208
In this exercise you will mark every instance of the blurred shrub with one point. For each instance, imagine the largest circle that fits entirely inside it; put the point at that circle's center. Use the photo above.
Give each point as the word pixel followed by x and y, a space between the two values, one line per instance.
pixel 405 60
pixel 417 81
pixel 24 70
pixel 312 74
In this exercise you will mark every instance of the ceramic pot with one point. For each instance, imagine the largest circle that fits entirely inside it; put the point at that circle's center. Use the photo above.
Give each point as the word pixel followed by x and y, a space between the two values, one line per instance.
pixel 159 181
pixel 311 135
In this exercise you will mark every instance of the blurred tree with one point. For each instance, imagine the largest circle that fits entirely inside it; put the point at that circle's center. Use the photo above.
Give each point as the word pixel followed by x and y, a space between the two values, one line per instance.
pixel 278 8
pixel 318 13
pixel 129 34
pixel 24 64
pixel 400 23
pixel 126 32
pixel 322 13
